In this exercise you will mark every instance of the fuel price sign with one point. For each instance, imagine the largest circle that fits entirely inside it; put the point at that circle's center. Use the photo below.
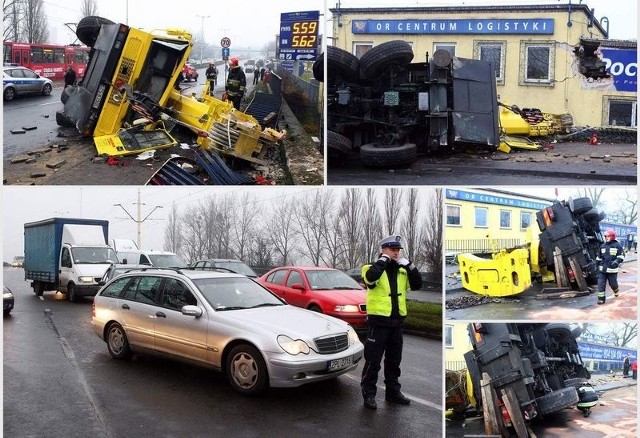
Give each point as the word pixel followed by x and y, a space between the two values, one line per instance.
pixel 299 35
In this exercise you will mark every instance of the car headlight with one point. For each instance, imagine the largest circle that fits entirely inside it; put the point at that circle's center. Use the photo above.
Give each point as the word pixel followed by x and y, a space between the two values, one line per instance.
pixel 351 308
pixel 353 336
pixel 7 295
pixel 293 347
pixel 85 279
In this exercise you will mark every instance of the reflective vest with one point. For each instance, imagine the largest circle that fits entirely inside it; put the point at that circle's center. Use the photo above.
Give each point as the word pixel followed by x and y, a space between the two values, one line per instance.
pixel 378 293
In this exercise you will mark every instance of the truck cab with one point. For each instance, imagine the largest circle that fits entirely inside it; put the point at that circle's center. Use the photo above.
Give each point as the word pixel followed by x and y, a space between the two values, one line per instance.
pixel 82 268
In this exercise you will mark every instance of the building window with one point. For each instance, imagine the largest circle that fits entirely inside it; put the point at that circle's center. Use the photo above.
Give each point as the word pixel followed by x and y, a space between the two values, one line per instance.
pixel 493 52
pixel 448 336
pixel 538 64
pixel 453 215
pixel 360 49
pixel 481 217
pixel 449 47
pixel 525 220
pixel 621 112
pixel 505 219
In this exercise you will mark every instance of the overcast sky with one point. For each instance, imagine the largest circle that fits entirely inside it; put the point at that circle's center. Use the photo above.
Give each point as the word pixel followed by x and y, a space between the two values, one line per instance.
pixel 622 14
pixel 245 22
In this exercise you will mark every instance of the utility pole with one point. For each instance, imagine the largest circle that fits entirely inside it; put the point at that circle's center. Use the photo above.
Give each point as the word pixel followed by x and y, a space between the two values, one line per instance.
pixel 202 33
pixel 138 221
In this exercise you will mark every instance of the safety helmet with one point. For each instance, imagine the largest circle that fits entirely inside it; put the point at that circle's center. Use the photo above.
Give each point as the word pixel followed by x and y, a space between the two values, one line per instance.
pixel 611 234
pixel 234 62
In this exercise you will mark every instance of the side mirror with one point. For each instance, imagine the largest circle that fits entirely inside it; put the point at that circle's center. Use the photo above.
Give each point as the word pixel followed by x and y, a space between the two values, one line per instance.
pixel 102 283
pixel 297 286
pixel 194 311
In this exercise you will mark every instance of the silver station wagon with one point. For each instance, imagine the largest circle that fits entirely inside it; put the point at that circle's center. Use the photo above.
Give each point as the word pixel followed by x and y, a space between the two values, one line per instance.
pixel 226 322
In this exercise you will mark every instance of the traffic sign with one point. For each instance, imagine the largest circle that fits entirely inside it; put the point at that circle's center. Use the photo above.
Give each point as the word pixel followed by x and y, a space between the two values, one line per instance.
pixel 298 37
pixel 225 42
pixel 225 53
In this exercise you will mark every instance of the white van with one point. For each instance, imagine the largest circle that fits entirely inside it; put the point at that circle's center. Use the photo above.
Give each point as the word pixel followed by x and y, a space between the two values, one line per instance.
pixel 160 259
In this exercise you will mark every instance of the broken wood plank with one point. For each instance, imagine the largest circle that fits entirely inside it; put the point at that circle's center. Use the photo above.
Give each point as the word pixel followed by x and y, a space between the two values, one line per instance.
pixel 491 426
pixel 577 272
pixel 510 400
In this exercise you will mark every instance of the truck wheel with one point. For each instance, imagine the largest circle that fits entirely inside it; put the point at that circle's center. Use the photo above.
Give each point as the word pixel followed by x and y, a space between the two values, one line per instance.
pixel 246 370
pixel 38 289
pixel 338 143
pixel 557 400
pixel 117 342
pixel 592 215
pixel 580 205
pixel 318 68
pixel 71 293
pixel 88 29
pixel 382 56
pixel 376 155
pixel 341 63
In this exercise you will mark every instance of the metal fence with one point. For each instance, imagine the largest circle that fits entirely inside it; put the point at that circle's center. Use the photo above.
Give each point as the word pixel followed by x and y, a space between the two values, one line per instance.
pixel 310 89
pixel 480 246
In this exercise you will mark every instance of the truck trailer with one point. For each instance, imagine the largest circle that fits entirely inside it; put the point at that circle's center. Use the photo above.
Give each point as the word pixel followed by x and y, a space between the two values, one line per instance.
pixel 67 254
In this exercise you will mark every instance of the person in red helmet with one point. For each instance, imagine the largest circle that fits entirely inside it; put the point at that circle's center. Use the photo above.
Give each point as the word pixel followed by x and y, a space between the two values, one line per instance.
pixel 236 83
pixel 610 257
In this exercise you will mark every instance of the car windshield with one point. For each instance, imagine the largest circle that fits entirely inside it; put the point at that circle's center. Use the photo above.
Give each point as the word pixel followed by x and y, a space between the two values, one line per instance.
pixel 167 261
pixel 238 267
pixel 234 293
pixel 330 279
pixel 94 255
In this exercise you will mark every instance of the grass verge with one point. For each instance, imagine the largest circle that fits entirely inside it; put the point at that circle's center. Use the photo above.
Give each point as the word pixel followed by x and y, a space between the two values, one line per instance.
pixel 424 318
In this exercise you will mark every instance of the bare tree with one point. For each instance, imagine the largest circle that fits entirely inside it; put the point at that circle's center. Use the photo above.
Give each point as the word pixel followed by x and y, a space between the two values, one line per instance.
pixel 333 241
pixel 262 254
pixel 172 234
pixel 34 28
pixel 621 334
pixel 311 216
pixel 392 202
pixel 244 225
pixel 192 230
pixel 371 226
pixel 281 230
pixel 351 208
pixel 432 238
pixel 88 8
pixel 627 209
pixel 410 225
pixel 11 19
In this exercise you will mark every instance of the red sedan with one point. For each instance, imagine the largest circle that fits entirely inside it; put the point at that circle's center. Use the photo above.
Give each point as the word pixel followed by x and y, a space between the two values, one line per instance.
pixel 324 290
pixel 190 73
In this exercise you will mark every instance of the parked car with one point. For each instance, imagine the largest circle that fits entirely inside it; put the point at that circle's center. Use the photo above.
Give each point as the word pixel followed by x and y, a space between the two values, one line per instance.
pixel 226 322
pixel 18 262
pixel 190 73
pixel 324 290
pixel 21 80
pixel 161 259
pixel 117 269
pixel 7 300
pixel 236 266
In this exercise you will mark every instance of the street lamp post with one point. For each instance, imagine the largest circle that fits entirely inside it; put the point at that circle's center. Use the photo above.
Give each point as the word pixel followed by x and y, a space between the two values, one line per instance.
pixel 202 17
pixel 138 221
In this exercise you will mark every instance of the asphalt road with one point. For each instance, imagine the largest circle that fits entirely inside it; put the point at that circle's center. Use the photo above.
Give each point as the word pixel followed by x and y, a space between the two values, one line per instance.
pixel 60 381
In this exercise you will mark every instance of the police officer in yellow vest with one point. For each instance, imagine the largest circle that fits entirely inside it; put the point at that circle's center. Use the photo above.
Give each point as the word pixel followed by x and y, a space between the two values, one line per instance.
pixel 388 281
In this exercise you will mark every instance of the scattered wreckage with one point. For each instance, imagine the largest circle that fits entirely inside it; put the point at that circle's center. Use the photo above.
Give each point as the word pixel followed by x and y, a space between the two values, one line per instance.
pixel 128 102
pixel 391 109
pixel 564 250
pixel 519 372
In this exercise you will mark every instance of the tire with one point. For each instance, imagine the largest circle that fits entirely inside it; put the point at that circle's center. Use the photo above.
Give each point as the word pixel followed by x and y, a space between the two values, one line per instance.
pixel 374 155
pixel 9 94
pixel 63 120
pixel 592 215
pixel 246 370
pixel 557 400
pixel 318 68
pixel 338 143
pixel 38 289
pixel 71 293
pixel 580 205
pixel 575 382
pixel 46 90
pixel 88 29
pixel 6 312
pixel 342 64
pixel 315 308
pixel 558 327
pixel 117 342
pixel 395 53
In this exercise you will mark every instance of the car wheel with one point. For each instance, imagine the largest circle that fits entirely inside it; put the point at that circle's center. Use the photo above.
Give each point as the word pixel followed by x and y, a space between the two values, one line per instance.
pixel 557 400
pixel 88 29
pixel 377 155
pixel 246 370
pixel 9 94
pixel 315 308
pixel 46 90
pixel 71 293
pixel 117 342
pixel 384 56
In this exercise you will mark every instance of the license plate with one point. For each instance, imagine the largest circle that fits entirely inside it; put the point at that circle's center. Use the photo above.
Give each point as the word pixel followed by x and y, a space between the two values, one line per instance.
pixel 338 364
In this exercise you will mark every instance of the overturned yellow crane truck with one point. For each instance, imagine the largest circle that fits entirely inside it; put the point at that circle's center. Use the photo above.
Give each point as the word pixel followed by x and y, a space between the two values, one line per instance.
pixel 569 236
pixel 128 102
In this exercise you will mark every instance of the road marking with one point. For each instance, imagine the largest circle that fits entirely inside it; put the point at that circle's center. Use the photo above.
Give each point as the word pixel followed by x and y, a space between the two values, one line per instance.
pixel 49 103
pixel 41 298
pixel 415 399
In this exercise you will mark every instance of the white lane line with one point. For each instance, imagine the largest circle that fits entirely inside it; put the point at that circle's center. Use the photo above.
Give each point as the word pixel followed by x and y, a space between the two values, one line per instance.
pixel 413 398
pixel 49 103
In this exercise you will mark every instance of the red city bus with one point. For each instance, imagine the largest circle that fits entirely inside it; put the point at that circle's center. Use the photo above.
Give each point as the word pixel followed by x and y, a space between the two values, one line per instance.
pixel 48 60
